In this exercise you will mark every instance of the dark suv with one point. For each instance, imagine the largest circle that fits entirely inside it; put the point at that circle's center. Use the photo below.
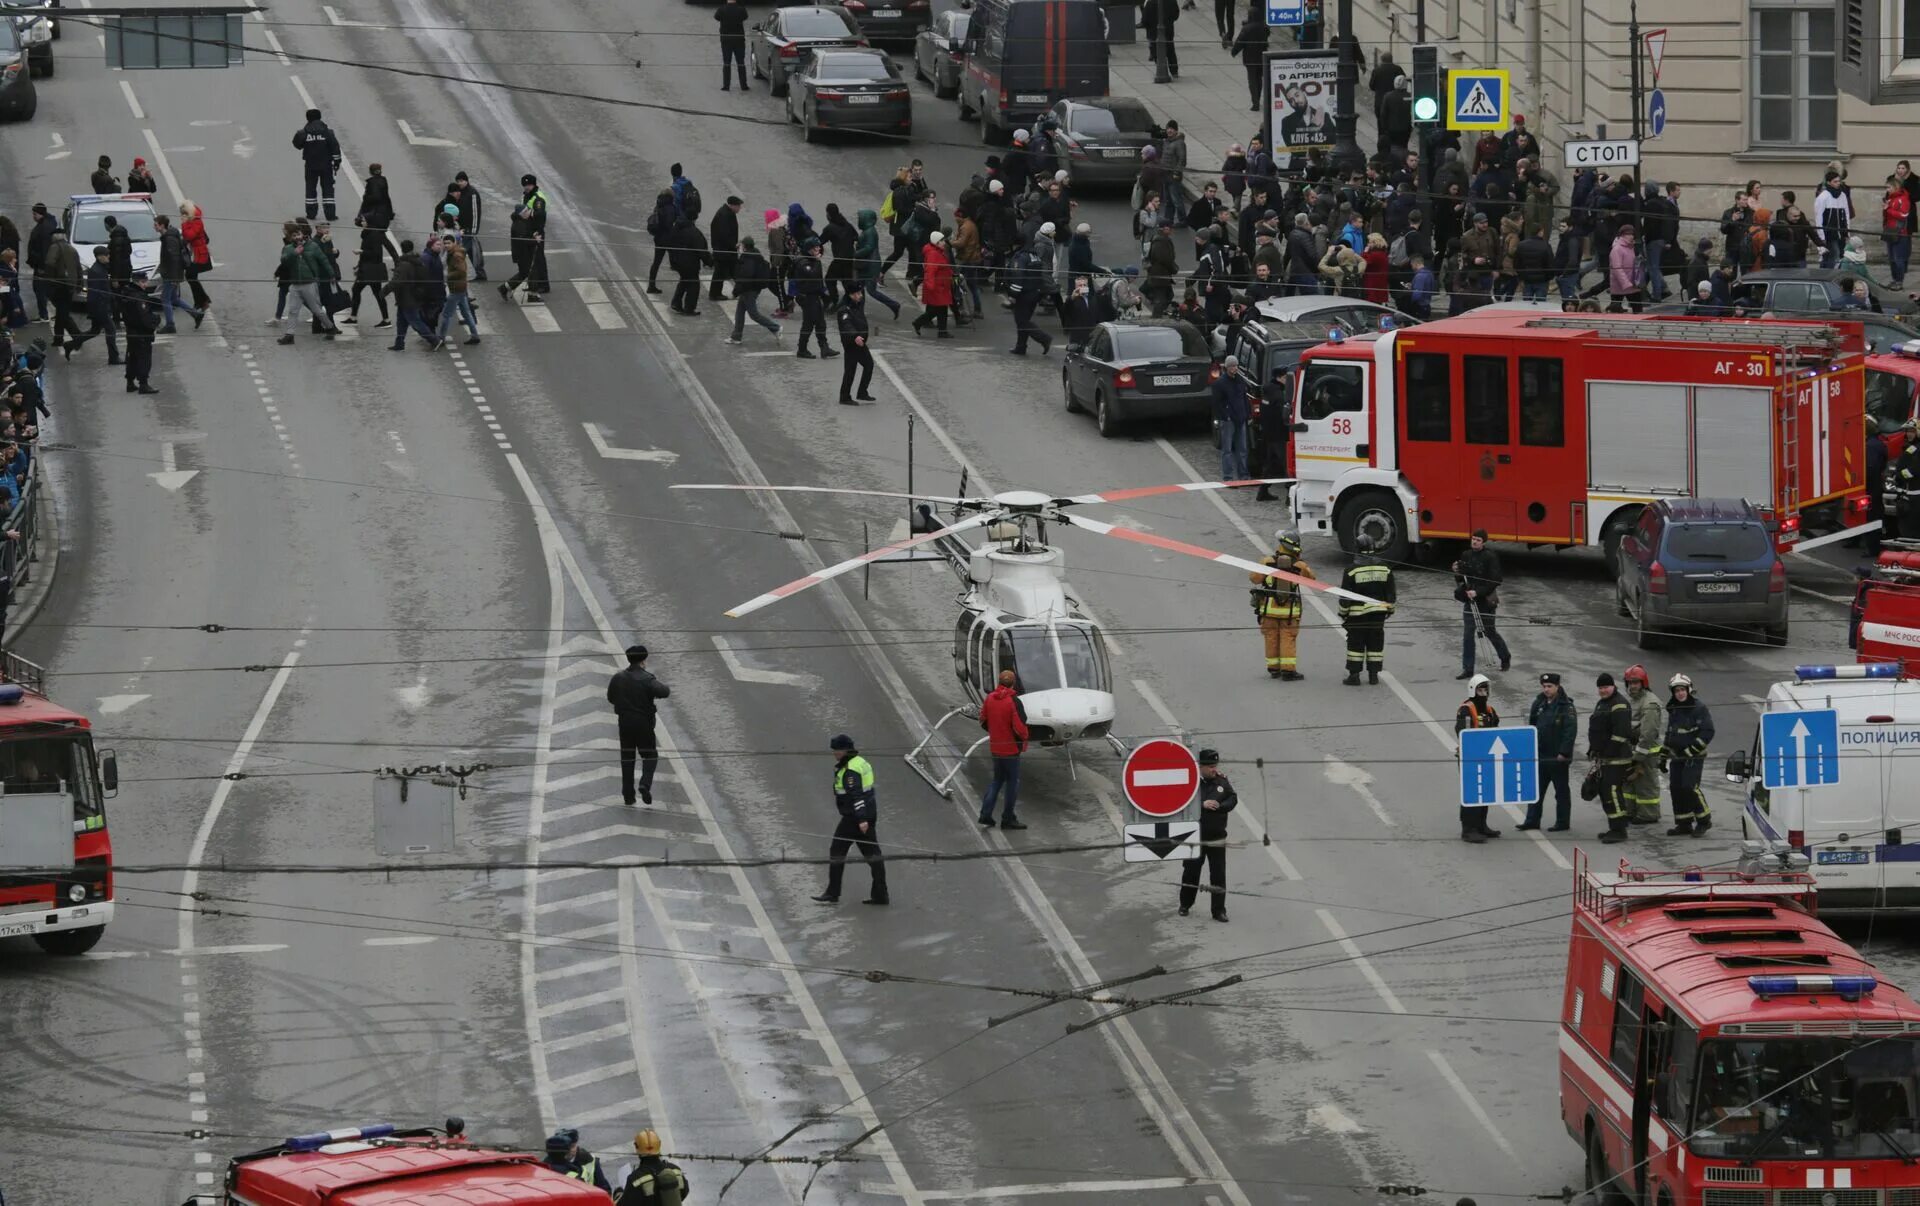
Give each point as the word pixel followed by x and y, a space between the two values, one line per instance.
pixel 1704 563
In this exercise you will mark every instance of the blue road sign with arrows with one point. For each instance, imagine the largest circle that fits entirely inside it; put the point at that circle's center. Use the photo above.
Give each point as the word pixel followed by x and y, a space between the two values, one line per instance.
pixel 1286 12
pixel 1499 766
pixel 1800 749
pixel 1656 114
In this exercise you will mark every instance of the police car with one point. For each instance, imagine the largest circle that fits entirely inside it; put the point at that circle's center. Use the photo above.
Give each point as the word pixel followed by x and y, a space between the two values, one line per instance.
pixel 85 222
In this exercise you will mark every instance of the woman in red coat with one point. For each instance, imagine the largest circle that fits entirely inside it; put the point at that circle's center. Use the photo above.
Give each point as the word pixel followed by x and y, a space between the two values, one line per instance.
pixel 1374 280
pixel 936 285
pixel 193 229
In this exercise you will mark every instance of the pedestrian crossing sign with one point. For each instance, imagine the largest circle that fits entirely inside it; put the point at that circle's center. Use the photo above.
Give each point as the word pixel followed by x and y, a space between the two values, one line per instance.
pixel 1477 99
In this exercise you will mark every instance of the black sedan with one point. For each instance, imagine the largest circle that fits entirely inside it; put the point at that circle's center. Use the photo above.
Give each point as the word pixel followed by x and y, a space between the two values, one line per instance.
pixel 938 53
pixel 781 41
pixel 850 90
pixel 892 21
pixel 1098 139
pixel 1144 369
pixel 17 98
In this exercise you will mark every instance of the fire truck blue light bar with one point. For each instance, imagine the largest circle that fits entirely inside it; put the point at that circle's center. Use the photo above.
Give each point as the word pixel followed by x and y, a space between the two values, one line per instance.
pixel 1850 988
pixel 1807 674
pixel 320 1139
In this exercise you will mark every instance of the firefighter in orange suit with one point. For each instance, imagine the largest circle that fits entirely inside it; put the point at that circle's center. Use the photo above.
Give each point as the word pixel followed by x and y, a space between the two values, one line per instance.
pixel 1277 603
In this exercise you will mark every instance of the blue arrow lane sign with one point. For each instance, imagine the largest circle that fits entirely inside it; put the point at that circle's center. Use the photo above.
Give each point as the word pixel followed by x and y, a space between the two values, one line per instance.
pixel 1286 12
pixel 1800 749
pixel 1499 766
pixel 1656 114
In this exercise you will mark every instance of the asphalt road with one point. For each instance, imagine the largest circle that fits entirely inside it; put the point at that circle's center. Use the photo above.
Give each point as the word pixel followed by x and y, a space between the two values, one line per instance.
pixel 436 558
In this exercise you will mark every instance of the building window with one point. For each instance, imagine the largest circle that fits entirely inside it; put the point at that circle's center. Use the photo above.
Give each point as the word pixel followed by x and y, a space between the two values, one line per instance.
pixel 1795 90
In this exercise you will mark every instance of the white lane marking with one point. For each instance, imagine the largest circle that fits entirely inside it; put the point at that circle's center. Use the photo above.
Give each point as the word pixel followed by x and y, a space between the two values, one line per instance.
pixel 594 294
pixel 171 477
pixel 605 996
pixel 1159 707
pixel 1472 1103
pixel 743 673
pixel 279 53
pixel 659 456
pixel 540 317
pixel 111 705
pixel 594 1075
pixel 1332 618
pixel 59 151
pixel 1346 774
pixel 257 948
pixel 998 1192
pixel 333 15
pixel 1331 1118
pixel 1360 960
pixel 400 940
pixel 1820 594
pixel 133 102
pixel 415 697
pixel 420 140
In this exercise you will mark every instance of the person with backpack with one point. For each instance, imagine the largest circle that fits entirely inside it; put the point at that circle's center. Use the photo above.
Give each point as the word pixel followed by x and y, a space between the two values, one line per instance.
pixel 660 225
pixel 751 276
pixel 654 1181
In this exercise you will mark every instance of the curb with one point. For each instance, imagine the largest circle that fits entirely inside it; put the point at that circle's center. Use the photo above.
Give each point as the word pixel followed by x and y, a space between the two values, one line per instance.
pixel 26 609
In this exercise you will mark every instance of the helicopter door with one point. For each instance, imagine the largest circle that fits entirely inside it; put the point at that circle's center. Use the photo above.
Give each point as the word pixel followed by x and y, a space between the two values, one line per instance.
pixel 980 657
pixel 962 633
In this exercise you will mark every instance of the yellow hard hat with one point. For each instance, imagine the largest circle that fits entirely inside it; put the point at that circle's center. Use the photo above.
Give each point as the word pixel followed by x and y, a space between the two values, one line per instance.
pixel 647 1143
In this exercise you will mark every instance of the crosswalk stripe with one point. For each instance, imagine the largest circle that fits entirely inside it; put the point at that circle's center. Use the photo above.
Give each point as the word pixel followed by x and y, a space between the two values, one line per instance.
pixel 579 1080
pixel 584 901
pixel 579 969
pixel 587 1002
pixel 586 1038
pixel 595 295
pixel 540 318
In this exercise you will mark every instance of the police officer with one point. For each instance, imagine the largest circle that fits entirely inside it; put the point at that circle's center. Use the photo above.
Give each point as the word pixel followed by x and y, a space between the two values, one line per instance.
pixel 859 824
pixel 1649 748
pixel 1906 482
pixel 320 151
pixel 1555 725
pixel 527 228
pixel 855 335
pixel 1476 713
pixel 1366 623
pixel 1217 799
pixel 1689 733
pixel 653 1181
pixel 1276 601
pixel 633 693
pixel 810 289
pixel 1610 745
pixel 566 1157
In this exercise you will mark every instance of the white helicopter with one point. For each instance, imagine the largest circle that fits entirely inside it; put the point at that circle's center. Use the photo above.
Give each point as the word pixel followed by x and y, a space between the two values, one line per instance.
pixel 1015 613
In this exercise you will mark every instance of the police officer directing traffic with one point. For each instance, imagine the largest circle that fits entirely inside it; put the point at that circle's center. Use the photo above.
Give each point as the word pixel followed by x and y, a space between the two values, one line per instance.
pixel 1689 733
pixel 1217 799
pixel 633 692
pixel 859 823
pixel 320 151
pixel 653 1181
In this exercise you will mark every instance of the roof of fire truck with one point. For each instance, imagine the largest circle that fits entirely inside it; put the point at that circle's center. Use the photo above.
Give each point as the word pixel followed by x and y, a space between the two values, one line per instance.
pixel 403 1174
pixel 1701 940
pixel 1836 337
pixel 20 706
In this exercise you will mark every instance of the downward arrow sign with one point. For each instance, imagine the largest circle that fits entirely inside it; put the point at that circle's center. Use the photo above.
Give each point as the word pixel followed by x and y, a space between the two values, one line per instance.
pixel 171 478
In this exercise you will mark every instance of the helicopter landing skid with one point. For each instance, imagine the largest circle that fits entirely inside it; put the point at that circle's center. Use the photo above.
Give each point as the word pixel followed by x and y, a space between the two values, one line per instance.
pixel 943 783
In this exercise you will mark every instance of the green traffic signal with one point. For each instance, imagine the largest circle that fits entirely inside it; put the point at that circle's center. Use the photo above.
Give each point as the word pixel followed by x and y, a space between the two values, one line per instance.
pixel 1425 108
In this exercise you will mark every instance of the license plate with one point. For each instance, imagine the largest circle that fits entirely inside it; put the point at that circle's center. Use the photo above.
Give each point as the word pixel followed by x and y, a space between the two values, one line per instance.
pixel 1120 153
pixel 886 14
pixel 1716 588
pixel 863 100
pixel 1844 857
pixel 1030 98
pixel 1183 380
pixel 15 928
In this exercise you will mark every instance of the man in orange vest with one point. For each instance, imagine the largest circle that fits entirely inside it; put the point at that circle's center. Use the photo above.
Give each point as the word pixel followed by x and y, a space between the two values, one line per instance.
pixel 1476 713
pixel 1005 720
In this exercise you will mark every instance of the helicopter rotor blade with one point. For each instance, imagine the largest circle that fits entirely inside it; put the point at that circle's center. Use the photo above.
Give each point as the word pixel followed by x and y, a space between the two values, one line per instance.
pixel 1205 554
pixel 834 571
pixel 939 498
pixel 1133 492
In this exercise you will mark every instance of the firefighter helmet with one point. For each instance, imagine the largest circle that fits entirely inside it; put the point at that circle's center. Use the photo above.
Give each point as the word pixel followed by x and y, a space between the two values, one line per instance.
pixel 1287 540
pixel 1636 673
pixel 1478 681
pixel 647 1143
pixel 1678 681
pixel 1363 543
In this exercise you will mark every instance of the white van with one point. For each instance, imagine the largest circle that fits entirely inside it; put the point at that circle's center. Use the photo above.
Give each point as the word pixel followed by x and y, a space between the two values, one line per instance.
pixel 1861 836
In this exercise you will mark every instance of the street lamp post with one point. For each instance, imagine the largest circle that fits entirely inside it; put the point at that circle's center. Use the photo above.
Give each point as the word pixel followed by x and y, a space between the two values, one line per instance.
pixel 1347 155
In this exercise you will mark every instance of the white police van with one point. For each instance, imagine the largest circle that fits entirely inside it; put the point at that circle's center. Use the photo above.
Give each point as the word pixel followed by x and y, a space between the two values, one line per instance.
pixel 85 222
pixel 1861 836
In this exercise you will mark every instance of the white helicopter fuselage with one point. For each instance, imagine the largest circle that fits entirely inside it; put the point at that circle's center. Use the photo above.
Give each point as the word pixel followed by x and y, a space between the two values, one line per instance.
pixel 1017 616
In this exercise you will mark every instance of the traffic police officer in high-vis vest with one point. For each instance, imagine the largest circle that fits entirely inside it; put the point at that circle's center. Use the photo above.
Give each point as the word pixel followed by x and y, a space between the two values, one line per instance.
pixel 859 824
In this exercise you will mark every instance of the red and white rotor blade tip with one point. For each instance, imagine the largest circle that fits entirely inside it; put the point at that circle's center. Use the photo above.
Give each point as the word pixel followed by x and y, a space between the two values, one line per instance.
pixel 1205 554
pixel 1133 492
pixel 834 571
pixel 939 498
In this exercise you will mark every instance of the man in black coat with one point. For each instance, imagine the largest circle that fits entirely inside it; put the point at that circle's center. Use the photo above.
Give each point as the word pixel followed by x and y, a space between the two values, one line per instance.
pixel 1157 17
pixel 854 336
pixel 320 153
pixel 1217 799
pixel 687 256
pixel 39 242
pixel 840 237
pixel 810 289
pixel 732 16
pixel 1477 581
pixel 724 235
pixel 99 308
pixel 137 312
pixel 376 200
pixel 634 694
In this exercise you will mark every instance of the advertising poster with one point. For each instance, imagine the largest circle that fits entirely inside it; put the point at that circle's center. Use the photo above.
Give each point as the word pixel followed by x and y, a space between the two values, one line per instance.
pixel 1300 100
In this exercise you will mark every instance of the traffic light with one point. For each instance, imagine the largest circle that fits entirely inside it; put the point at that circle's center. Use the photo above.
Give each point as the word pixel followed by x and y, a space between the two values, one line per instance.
pixel 1426 84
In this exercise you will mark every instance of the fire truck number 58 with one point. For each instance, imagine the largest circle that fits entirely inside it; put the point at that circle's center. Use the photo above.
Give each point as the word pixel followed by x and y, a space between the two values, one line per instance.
pixel 1343 427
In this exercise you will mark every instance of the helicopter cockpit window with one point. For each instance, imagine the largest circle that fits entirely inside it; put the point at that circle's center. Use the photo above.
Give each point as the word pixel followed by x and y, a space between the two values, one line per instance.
pixel 1080 656
pixel 1028 651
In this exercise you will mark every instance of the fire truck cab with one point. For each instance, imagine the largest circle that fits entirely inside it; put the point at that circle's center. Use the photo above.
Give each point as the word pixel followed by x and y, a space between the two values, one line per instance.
pixel 379 1165
pixel 1886 609
pixel 53 788
pixel 1558 429
pixel 1719 1046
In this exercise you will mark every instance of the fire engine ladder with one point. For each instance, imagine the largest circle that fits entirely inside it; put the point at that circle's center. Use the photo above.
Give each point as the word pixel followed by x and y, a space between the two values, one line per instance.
pixel 1797 342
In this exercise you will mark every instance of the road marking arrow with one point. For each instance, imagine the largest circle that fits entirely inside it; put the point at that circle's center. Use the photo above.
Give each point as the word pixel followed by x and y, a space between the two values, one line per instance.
pixel 59 148
pixel 112 704
pixel 1330 1117
pixel 171 477
pixel 600 445
pixel 746 674
pixel 1345 774
pixel 418 140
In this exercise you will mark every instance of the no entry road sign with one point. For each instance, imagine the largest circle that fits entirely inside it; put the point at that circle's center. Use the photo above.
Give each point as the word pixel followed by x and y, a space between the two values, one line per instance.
pixel 1161 777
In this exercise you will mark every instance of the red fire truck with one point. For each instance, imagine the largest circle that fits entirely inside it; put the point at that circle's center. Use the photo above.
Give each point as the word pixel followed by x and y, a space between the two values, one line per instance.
pixel 381 1166
pixel 1557 429
pixel 53 789
pixel 1886 609
pixel 1719 1046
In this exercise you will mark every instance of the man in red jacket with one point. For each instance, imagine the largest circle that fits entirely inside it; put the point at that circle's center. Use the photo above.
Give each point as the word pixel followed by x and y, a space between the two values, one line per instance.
pixel 1005 721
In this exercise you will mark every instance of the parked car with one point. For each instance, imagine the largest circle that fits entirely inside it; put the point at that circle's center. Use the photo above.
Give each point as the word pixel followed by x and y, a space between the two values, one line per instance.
pixel 85 221
pixel 36 34
pixel 850 90
pixel 1143 369
pixel 1098 138
pixel 1811 290
pixel 17 97
pixel 1708 564
pixel 783 39
pixel 937 54
pixel 892 21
